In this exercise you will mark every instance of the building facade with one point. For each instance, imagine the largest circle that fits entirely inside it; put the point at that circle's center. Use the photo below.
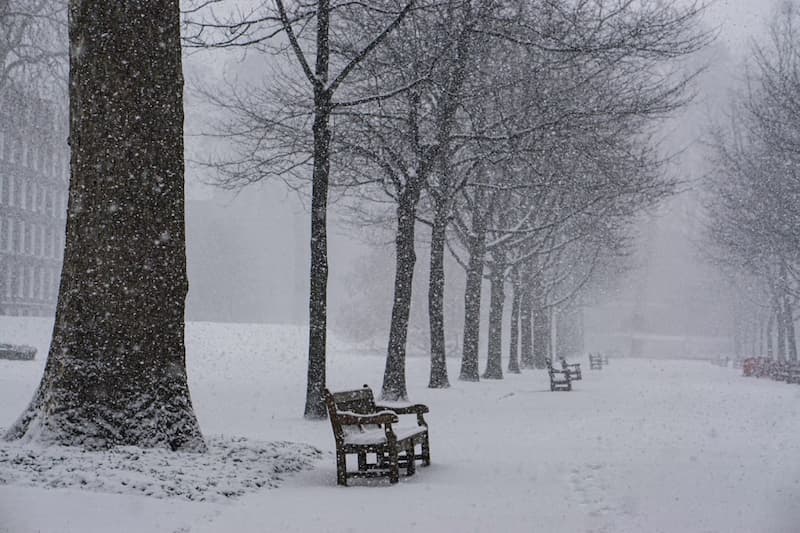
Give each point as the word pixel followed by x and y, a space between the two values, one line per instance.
pixel 34 177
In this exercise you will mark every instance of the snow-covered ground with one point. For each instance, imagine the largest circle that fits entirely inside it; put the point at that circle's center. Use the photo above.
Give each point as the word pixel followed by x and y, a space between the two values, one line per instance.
pixel 641 446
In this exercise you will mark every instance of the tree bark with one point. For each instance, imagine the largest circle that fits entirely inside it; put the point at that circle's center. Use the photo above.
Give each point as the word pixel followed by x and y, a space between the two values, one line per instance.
pixel 791 342
pixel 769 335
pixel 394 376
pixel 438 378
pixel 541 331
pixel 318 283
pixel 513 349
pixel 494 351
pixel 116 369
pixel 780 354
pixel 526 332
pixel 472 295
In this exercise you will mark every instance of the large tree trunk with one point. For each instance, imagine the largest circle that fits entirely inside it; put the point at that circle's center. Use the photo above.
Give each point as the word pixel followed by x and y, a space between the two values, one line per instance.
pixel 526 333
pixel 769 335
pixel 394 376
pixel 494 351
pixel 116 370
pixel 318 296
pixel 513 349
pixel 318 283
pixel 438 378
pixel 780 354
pixel 791 342
pixel 472 294
pixel 541 331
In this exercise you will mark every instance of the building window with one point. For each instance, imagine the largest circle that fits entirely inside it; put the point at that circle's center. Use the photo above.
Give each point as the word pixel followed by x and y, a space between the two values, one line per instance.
pixel 9 237
pixel 38 281
pixel 20 282
pixel 3 235
pixel 9 283
pixel 29 282
pixel 2 145
pixel 20 192
pixel 34 239
pixel 29 238
pixel 42 193
pixel 12 186
pixel 40 248
pixel 18 226
pixel 30 201
pixel 3 190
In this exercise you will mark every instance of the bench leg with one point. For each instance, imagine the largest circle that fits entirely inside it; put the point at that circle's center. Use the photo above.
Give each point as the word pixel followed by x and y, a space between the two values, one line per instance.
pixel 410 467
pixel 341 468
pixel 426 452
pixel 362 461
pixel 394 469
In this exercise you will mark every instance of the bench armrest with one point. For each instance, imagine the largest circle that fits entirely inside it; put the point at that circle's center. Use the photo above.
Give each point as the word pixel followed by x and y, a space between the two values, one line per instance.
pixel 417 408
pixel 349 418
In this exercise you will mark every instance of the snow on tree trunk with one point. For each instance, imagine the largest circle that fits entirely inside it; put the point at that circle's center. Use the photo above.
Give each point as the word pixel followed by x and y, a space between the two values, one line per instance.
pixel 472 297
pixel 541 331
pixel 780 354
pixel 769 335
pixel 526 333
pixel 438 378
pixel 318 293
pixel 116 372
pixel 494 358
pixel 513 349
pixel 394 376
pixel 791 342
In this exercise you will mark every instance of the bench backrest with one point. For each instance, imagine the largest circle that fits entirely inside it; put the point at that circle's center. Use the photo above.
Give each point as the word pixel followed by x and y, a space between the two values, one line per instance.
pixel 360 401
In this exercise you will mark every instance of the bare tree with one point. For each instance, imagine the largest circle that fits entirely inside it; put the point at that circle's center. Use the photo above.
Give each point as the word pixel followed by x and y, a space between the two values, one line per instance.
pixel 326 54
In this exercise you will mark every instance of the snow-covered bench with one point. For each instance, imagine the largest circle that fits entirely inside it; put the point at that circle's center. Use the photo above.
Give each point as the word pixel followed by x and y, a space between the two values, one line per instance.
pixel 360 427
pixel 559 379
pixel 786 371
pixel 595 361
pixel 574 370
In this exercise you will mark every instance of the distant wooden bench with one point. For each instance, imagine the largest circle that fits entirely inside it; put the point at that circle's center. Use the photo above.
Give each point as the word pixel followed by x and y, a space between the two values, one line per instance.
pixel 574 370
pixel 360 427
pixel 559 379
pixel 793 376
pixel 786 371
pixel 595 361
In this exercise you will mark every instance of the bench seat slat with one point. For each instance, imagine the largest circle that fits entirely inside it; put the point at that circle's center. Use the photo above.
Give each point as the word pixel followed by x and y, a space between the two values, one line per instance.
pixel 378 436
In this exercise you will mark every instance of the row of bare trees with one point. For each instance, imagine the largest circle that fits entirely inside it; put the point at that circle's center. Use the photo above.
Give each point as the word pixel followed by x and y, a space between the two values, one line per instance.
pixel 519 133
pixel 753 222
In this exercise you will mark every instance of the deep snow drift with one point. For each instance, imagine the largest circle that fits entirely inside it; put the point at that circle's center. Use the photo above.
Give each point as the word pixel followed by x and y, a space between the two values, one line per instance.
pixel 640 446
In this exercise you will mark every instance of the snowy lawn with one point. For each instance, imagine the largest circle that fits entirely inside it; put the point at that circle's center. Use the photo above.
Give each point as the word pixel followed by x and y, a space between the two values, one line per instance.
pixel 641 446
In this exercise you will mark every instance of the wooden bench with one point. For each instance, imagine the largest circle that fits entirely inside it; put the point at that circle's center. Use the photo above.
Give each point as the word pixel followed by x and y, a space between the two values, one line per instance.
pixel 559 379
pixel 793 374
pixel 360 427
pixel 574 369
pixel 595 361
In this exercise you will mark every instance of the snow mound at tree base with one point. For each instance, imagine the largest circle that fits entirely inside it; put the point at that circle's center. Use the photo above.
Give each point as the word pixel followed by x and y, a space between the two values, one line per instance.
pixel 233 466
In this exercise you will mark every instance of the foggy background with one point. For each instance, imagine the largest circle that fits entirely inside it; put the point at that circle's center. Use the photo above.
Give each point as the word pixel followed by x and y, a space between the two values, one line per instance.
pixel 248 252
